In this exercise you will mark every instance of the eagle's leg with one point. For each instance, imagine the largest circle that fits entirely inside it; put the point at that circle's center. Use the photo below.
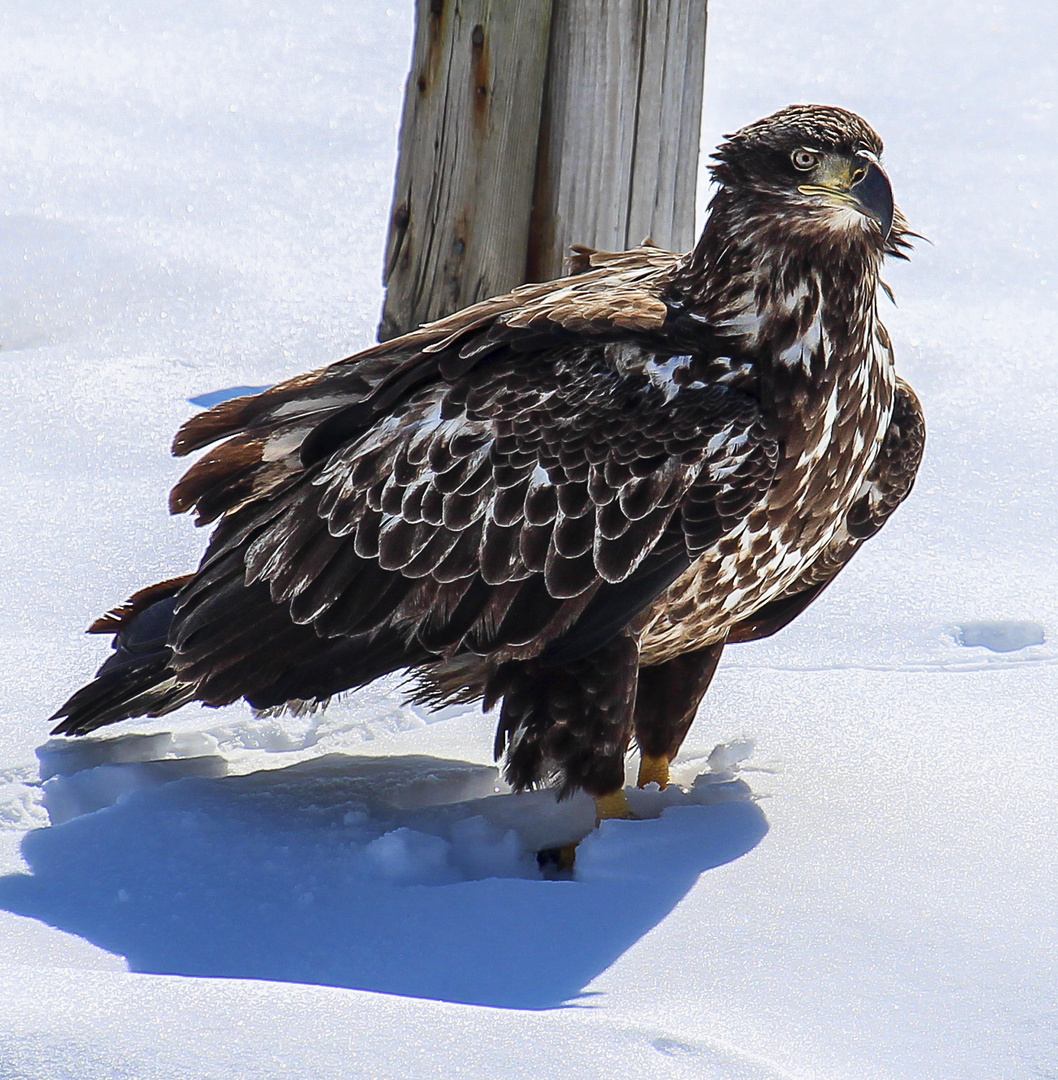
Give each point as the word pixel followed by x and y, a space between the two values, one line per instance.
pixel 614 805
pixel 667 700
pixel 571 723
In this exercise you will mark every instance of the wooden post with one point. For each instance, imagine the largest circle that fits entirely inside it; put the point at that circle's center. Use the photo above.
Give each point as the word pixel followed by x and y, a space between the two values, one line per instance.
pixel 460 222
pixel 533 125
pixel 618 161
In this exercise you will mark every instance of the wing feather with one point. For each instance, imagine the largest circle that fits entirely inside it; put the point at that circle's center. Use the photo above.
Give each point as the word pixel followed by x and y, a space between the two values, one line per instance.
pixel 471 486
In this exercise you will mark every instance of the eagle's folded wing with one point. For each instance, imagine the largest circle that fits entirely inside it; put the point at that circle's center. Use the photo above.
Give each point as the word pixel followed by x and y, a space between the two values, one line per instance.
pixel 455 491
pixel 884 488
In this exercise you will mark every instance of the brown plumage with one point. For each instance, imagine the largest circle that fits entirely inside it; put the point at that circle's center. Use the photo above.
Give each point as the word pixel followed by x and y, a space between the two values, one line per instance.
pixel 564 500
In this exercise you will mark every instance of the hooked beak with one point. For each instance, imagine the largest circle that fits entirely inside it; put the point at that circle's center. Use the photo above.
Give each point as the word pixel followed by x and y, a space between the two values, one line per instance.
pixel 860 183
pixel 874 196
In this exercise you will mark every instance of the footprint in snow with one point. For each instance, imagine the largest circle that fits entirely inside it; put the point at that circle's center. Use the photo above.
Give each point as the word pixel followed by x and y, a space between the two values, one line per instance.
pixel 1000 636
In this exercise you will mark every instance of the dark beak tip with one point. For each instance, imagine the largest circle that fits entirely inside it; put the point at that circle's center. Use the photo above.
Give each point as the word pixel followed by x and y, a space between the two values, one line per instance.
pixel 875 195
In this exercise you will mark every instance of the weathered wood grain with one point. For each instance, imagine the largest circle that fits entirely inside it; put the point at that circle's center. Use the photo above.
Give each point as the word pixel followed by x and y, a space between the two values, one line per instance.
pixel 532 125
pixel 465 178
pixel 620 128
pixel 668 126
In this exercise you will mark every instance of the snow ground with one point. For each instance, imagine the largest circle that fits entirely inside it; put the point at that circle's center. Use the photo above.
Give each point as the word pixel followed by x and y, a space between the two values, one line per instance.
pixel 195 198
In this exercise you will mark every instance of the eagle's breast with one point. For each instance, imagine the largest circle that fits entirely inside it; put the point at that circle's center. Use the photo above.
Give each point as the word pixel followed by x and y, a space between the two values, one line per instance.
pixel 825 380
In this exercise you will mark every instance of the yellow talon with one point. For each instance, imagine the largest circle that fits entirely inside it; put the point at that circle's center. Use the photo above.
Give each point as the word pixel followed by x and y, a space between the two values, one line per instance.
pixel 614 805
pixel 653 770
pixel 561 860
pixel 567 856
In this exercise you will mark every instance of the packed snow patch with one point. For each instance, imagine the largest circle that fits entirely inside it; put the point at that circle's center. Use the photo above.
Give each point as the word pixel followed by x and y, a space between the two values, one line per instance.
pixel 21 800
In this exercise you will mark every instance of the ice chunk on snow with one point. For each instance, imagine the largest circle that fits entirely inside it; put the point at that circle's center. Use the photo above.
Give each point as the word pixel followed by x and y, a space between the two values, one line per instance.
pixel 726 757
pixel 64 757
pixel 84 775
pixel 406 857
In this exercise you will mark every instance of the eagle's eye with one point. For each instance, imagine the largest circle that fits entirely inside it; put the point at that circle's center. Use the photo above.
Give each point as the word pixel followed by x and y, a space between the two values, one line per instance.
pixel 804 159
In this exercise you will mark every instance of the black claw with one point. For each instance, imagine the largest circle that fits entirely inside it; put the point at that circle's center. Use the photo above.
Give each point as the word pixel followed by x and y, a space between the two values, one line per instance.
pixel 557 862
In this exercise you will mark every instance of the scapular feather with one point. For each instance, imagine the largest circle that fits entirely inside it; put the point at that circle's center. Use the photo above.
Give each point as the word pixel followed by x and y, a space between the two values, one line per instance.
pixel 431 554
pixel 365 603
pixel 327 585
pixel 611 521
pixel 433 505
pixel 529 613
pixel 459 510
pixel 397 540
pixel 437 636
pixel 616 559
pixel 573 499
pixel 566 578
pixel 311 560
pixel 533 542
pixel 345 516
pixel 452 480
pixel 462 560
pixel 540 504
pixel 368 527
pixel 508 506
pixel 392 496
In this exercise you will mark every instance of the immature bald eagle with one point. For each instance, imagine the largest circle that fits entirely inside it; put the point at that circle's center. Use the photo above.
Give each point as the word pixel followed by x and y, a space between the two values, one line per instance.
pixel 567 499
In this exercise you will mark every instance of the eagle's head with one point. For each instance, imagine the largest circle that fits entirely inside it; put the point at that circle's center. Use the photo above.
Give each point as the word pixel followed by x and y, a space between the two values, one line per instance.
pixel 816 165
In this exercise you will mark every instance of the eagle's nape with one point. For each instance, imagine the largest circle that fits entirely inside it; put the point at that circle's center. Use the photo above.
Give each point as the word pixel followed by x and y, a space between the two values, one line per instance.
pixel 567 500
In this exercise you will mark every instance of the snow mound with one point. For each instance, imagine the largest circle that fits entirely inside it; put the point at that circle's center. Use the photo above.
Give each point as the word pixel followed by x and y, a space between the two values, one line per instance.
pixel 101 1025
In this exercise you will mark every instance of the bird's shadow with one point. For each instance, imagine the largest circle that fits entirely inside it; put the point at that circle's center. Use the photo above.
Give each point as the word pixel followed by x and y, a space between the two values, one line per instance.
pixel 400 875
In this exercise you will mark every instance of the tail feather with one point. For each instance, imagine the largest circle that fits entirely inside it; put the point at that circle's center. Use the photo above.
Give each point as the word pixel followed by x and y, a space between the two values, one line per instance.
pixel 137 679
pixel 241 645
pixel 151 690
pixel 119 617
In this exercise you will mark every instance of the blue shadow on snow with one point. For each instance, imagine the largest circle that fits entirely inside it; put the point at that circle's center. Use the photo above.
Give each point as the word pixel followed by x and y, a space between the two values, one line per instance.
pixel 296 875
pixel 215 397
